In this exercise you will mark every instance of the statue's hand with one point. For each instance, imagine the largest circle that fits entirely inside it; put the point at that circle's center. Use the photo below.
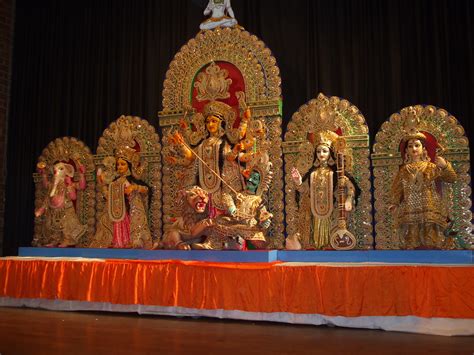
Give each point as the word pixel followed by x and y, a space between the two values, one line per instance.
pixel 238 148
pixel 183 124
pixel 348 204
pixel 41 165
pixel 232 210
pixel 296 176
pixel 100 176
pixel 343 181
pixel 178 138
pixel 39 212
pixel 266 224
pixel 130 188
pixel 240 197
pixel 175 138
pixel 247 114
pixel 440 162
pixel 170 159
pixel 208 222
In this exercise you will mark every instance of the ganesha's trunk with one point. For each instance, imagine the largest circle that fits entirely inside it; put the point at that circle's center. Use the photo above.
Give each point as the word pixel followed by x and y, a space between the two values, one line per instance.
pixel 55 186
pixel 56 196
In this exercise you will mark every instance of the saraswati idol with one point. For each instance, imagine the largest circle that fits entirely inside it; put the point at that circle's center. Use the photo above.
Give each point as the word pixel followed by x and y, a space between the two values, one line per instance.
pixel 317 192
pixel 327 177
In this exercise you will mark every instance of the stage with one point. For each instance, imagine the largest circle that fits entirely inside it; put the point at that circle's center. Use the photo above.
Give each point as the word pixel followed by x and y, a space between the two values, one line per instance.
pixel 401 295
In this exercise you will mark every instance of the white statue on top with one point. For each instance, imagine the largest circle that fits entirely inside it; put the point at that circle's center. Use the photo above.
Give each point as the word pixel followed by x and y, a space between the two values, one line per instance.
pixel 221 15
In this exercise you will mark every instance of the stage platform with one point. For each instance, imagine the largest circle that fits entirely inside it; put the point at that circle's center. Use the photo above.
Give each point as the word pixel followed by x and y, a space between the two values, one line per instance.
pixel 256 256
pixel 420 298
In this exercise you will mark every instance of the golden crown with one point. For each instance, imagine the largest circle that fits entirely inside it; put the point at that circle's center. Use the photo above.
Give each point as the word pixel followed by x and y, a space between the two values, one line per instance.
pixel 127 153
pixel 218 109
pixel 326 138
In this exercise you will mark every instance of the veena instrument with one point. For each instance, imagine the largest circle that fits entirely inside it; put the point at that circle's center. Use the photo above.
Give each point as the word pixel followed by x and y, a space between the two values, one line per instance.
pixel 341 238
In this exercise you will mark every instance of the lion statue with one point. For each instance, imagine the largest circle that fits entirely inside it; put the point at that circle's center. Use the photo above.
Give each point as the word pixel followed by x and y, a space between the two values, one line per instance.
pixel 192 224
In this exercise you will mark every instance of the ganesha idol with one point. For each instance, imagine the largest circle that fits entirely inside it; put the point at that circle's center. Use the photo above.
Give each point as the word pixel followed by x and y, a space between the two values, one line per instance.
pixel 62 227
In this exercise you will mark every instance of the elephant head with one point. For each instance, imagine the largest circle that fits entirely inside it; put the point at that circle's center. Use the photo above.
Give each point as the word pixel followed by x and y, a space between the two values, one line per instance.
pixel 61 172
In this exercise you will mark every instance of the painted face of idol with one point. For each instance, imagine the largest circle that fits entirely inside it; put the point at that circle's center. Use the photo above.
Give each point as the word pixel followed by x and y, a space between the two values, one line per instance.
pixel 415 149
pixel 212 124
pixel 323 153
pixel 122 166
pixel 253 182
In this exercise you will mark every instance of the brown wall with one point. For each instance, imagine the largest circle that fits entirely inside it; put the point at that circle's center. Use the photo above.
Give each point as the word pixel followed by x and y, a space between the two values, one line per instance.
pixel 6 44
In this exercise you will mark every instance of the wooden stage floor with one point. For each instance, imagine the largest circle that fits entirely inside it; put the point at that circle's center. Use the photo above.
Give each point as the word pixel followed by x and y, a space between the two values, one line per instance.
pixel 28 331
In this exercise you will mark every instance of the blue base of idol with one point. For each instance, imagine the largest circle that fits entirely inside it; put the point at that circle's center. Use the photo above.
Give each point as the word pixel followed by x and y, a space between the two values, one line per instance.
pixel 264 256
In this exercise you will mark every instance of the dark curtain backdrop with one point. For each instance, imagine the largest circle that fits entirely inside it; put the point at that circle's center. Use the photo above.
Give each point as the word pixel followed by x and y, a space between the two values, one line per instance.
pixel 79 65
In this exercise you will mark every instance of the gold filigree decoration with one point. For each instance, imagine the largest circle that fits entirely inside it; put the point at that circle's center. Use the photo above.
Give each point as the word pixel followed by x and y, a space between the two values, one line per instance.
pixel 130 131
pixel 212 84
pixel 124 133
pixel 262 95
pixel 329 113
pixel 411 124
pixel 322 116
pixel 67 149
pixel 386 159
pixel 248 53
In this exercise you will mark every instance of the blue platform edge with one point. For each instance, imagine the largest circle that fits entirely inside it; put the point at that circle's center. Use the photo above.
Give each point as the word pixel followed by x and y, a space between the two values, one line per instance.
pixel 357 256
pixel 381 256
pixel 263 256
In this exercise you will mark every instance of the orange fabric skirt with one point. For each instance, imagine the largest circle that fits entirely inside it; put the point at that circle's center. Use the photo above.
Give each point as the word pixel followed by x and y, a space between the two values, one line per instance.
pixel 350 291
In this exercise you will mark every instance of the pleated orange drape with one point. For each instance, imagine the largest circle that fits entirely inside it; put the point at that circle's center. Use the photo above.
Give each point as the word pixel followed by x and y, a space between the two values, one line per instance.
pixel 424 291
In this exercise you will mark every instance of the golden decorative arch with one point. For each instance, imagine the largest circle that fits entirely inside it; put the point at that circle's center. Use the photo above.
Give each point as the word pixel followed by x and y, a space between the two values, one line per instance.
pixel 233 45
pixel 136 133
pixel 386 159
pixel 340 116
pixel 262 82
pixel 73 151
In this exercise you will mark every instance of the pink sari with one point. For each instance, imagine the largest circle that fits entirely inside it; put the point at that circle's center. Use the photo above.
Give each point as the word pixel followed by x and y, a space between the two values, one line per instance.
pixel 118 214
pixel 122 233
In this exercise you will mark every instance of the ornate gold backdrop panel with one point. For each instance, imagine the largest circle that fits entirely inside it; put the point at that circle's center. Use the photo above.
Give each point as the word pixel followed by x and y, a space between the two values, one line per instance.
pixel 137 133
pixel 72 151
pixel 386 159
pixel 337 115
pixel 261 81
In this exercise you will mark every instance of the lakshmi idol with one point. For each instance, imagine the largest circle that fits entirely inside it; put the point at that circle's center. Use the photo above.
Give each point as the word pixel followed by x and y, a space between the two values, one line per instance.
pixel 124 223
